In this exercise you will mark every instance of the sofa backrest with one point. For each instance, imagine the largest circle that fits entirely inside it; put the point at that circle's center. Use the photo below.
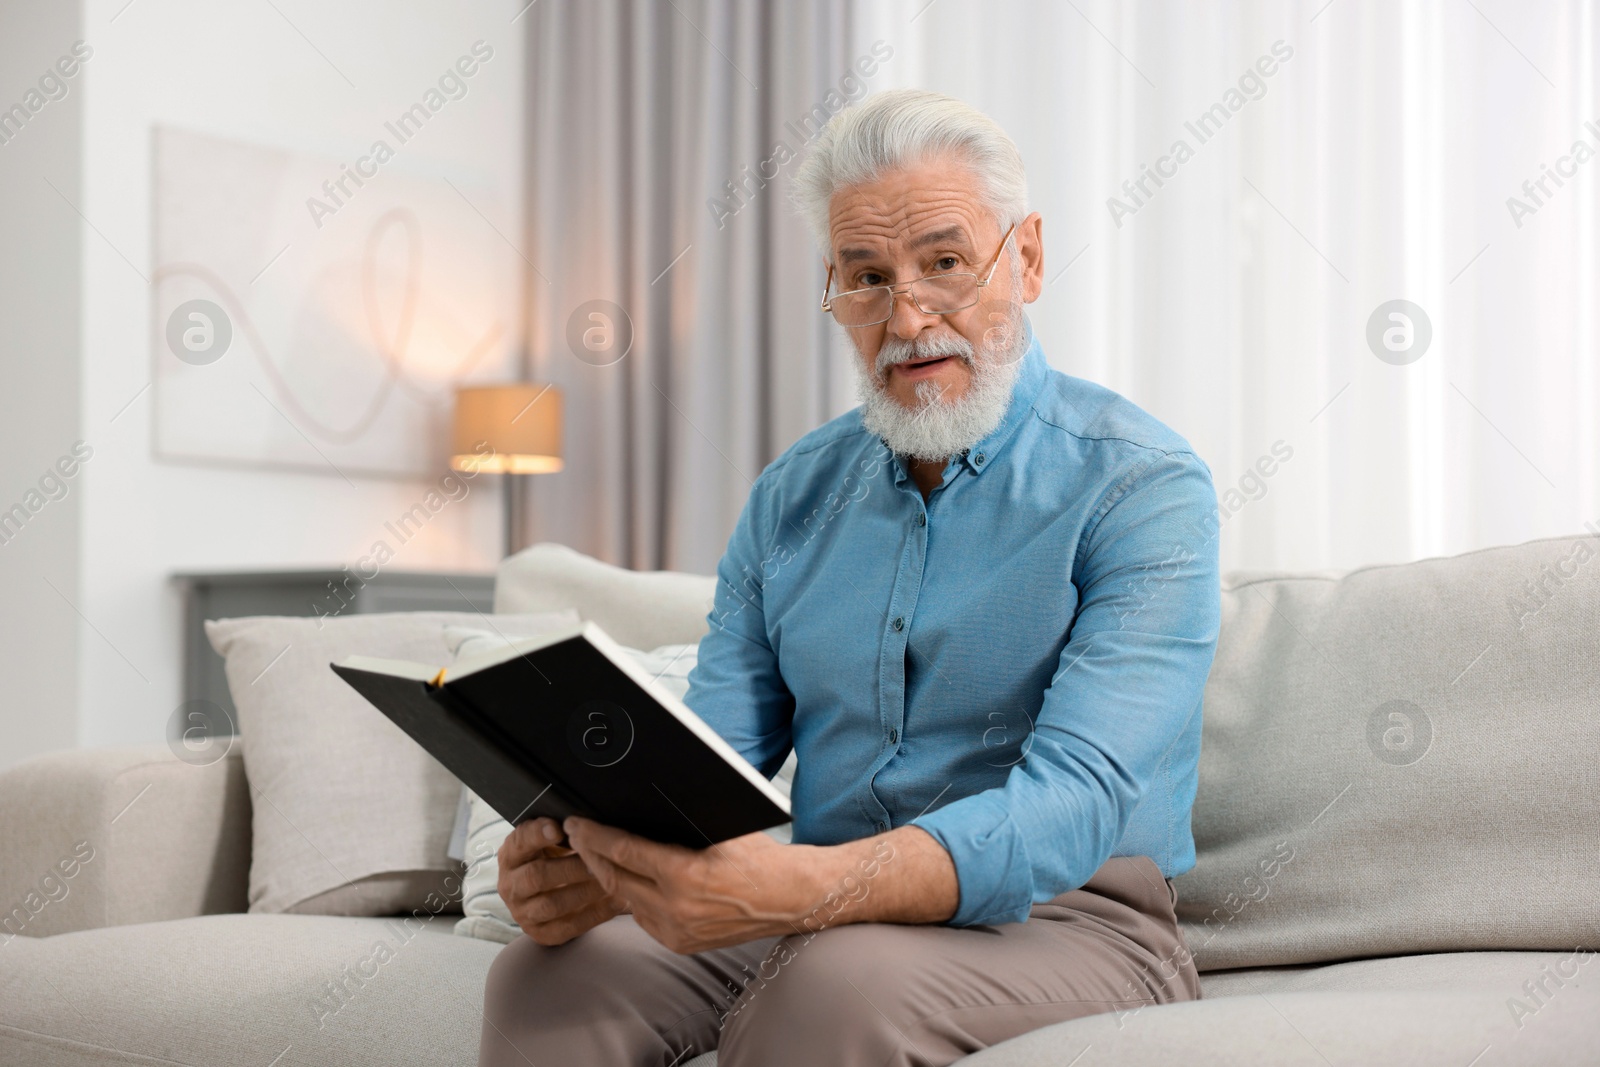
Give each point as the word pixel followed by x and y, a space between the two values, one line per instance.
pixel 641 609
pixel 1395 759
pixel 1402 759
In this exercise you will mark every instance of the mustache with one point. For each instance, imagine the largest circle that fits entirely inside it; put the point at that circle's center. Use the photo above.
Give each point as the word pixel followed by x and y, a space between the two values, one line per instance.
pixel 896 350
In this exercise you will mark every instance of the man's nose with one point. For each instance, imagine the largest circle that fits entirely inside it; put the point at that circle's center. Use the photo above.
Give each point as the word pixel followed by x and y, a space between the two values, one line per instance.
pixel 906 320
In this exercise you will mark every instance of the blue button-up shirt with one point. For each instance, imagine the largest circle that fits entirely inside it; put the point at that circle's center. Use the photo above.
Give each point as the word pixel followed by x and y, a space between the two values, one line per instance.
pixel 1014 665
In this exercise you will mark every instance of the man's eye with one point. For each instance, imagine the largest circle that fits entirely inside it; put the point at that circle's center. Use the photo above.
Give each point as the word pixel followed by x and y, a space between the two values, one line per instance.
pixel 944 263
pixel 870 278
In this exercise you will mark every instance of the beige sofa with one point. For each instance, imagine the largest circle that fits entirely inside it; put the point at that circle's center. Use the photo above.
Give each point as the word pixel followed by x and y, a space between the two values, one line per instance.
pixel 1398 828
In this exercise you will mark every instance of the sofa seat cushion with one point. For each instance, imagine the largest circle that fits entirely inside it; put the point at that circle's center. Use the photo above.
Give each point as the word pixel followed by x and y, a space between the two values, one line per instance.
pixel 237 989
pixel 1503 971
pixel 1446 1009
pixel 244 989
pixel 1443 1009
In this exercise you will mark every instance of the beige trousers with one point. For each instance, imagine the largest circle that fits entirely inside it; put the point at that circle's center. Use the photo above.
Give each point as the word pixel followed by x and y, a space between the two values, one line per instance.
pixel 867 995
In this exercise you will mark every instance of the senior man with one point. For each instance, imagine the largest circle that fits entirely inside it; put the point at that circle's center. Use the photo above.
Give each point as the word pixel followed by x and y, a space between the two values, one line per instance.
pixel 981 608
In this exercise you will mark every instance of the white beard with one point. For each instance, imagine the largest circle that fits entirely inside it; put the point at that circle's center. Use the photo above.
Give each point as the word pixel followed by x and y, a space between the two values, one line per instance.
pixel 937 429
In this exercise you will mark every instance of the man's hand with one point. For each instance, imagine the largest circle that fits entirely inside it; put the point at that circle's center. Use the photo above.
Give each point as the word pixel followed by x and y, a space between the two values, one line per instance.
pixel 551 893
pixel 692 900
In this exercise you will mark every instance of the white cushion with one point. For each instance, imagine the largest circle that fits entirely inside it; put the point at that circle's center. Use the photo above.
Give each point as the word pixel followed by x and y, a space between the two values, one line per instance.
pixel 349 815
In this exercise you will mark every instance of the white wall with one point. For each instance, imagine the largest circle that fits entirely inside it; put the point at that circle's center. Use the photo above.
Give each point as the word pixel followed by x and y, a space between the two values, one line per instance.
pixel 248 73
pixel 39 286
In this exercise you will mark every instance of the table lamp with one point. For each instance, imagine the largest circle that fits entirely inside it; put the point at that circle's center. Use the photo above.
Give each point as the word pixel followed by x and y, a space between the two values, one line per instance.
pixel 508 429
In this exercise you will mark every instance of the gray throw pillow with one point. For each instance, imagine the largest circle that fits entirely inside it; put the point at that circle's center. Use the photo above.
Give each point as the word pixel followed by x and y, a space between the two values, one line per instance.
pixel 1401 759
pixel 349 815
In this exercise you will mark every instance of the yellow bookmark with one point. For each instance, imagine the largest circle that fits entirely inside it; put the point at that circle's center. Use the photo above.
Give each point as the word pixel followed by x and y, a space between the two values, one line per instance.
pixel 438 679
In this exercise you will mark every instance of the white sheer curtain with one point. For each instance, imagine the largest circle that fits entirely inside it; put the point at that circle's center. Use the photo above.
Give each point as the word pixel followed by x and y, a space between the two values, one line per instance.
pixel 1369 156
pixel 1373 164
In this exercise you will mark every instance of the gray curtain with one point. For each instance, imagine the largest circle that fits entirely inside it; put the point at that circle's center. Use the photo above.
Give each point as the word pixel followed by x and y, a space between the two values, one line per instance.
pixel 638 116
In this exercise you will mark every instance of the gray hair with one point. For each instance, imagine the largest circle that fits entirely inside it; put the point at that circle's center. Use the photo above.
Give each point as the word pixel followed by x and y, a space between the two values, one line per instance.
pixel 900 128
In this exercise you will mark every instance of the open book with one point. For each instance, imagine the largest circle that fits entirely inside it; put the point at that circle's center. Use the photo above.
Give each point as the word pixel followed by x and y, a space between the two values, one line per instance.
pixel 568 724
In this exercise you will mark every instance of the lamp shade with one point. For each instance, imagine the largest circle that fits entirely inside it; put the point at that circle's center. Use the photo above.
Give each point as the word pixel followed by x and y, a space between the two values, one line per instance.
pixel 507 429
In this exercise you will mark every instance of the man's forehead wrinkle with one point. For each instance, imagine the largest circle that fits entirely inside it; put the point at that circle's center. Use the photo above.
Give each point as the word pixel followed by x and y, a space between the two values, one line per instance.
pixel 943 235
pixel 862 234
pixel 903 217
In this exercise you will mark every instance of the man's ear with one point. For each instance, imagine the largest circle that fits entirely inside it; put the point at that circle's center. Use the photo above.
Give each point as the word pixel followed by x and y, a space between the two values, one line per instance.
pixel 1029 236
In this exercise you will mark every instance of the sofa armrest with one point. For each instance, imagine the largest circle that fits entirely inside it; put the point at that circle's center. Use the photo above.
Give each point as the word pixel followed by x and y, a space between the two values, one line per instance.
pixel 105 837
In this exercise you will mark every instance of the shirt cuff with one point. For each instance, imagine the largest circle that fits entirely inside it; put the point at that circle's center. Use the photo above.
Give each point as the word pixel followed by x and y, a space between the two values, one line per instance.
pixel 990 856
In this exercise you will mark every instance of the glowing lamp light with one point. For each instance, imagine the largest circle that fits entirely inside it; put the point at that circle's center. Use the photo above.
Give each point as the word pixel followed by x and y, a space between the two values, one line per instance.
pixel 507 429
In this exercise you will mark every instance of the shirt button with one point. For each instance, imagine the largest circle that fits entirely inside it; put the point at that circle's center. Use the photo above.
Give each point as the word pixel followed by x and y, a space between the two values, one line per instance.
pixel 894 735
pixel 922 518
pixel 899 622
pixel 978 459
pixel 882 826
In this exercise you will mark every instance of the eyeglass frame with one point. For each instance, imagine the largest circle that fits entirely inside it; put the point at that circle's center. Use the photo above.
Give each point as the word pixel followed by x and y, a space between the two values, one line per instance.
pixel 905 287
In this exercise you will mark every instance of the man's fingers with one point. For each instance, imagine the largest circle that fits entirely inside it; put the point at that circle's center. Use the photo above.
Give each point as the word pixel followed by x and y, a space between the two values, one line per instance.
pixel 566 902
pixel 623 849
pixel 541 875
pixel 623 884
pixel 528 840
pixel 568 927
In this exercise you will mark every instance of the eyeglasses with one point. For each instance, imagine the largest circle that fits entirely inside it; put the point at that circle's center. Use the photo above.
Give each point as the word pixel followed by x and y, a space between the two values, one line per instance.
pixel 936 294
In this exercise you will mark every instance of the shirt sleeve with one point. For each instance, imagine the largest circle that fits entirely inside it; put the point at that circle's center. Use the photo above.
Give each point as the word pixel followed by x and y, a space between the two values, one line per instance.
pixel 1127 683
pixel 735 685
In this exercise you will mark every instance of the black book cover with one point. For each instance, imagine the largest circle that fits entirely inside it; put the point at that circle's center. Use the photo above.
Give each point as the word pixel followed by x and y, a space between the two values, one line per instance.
pixel 573 727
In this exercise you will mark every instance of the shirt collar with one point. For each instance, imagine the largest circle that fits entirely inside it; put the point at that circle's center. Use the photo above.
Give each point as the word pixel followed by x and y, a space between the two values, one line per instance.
pixel 980 457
